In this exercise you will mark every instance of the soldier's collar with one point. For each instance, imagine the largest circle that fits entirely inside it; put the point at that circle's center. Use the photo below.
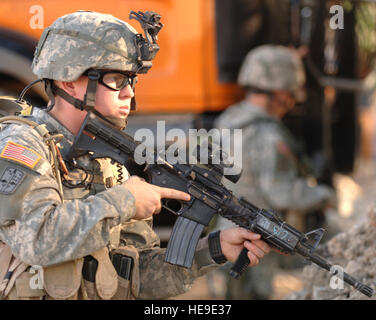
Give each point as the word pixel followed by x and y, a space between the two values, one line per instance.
pixel 54 126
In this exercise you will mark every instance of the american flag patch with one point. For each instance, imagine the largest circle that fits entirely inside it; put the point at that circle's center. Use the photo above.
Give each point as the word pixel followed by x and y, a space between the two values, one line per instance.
pixel 16 152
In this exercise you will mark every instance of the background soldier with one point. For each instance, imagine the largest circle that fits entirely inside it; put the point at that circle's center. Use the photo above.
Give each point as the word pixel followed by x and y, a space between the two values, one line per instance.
pixel 273 171
pixel 69 220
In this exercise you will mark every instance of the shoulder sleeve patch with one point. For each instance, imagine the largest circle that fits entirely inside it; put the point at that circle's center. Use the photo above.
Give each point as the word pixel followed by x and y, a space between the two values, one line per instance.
pixel 10 180
pixel 16 152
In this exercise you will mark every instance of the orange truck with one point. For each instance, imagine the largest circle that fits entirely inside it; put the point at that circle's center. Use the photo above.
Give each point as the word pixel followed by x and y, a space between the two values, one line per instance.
pixel 184 74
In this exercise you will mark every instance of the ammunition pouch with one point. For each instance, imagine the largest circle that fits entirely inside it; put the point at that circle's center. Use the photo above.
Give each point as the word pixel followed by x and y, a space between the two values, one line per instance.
pixel 20 288
pixel 10 270
pixel 62 281
pixel 125 264
pixel 99 276
pixel 59 282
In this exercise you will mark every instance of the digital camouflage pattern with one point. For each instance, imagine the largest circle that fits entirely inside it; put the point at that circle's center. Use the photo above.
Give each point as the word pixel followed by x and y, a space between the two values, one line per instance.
pixel 272 67
pixel 271 177
pixel 46 231
pixel 44 227
pixel 160 280
pixel 38 226
pixel 82 40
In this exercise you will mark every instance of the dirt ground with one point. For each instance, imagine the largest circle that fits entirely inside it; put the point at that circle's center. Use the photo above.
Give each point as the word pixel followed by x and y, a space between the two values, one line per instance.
pixel 356 195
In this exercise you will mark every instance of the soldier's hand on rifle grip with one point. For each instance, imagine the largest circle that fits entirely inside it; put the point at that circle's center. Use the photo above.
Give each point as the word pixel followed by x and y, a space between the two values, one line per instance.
pixel 256 251
pixel 233 240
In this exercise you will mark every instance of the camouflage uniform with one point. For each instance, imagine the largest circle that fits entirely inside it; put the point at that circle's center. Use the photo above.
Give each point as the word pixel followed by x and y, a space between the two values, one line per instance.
pixel 271 177
pixel 44 227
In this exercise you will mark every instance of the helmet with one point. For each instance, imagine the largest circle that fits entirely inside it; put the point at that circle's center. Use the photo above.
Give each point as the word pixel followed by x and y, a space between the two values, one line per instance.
pixel 272 67
pixel 82 40
pixel 86 40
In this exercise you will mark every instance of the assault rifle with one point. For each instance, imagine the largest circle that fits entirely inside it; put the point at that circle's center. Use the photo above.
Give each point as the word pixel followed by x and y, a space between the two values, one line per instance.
pixel 208 198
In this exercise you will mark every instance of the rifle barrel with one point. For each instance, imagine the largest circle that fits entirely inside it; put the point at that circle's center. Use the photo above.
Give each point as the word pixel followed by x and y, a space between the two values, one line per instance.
pixel 320 261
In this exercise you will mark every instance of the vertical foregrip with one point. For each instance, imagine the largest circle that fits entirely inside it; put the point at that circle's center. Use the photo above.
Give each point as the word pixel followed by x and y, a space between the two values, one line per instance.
pixel 240 265
pixel 183 242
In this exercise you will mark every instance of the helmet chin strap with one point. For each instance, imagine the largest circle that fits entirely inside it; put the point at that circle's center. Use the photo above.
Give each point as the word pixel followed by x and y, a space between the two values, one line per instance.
pixel 133 100
pixel 87 104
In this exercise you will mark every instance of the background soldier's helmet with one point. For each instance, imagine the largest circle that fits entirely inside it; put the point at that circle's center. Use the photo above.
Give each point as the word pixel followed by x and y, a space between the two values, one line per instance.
pixel 272 67
pixel 82 40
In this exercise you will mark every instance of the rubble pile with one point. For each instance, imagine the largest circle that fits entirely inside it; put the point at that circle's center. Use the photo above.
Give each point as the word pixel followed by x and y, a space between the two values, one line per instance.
pixel 355 251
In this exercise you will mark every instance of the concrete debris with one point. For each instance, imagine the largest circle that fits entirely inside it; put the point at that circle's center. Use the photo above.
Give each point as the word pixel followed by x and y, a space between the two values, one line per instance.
pixel 355 251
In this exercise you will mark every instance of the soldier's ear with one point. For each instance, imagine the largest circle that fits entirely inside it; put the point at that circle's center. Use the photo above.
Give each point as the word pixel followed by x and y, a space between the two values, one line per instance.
pixel 75 88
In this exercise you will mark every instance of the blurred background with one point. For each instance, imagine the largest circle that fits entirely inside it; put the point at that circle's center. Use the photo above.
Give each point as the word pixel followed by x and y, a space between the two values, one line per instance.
pixel 193 80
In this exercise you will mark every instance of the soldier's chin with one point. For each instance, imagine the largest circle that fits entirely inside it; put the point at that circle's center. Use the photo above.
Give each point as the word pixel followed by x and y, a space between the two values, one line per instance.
pixel 118 122
pixel 123 113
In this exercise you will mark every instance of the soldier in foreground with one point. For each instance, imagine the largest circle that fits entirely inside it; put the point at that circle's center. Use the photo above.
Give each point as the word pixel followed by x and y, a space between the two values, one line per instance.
pixel 272 177
pixel 85 222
